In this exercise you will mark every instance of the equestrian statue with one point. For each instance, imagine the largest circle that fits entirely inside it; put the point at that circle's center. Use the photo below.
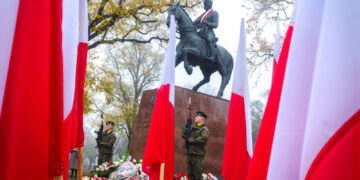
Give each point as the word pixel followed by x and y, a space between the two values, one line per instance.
pixel 197 46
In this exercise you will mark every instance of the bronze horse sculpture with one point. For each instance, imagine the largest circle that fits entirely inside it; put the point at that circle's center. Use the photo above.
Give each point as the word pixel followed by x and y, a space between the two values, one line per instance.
pixel 192 50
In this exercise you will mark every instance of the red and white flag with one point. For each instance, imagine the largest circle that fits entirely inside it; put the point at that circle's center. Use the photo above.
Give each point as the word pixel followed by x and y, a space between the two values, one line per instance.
pixel 160 141
pixel 262 151
pixel 75 46
pixel 290 127
pixel 29 72
pixel 277 49
pixel 238 140
pixel 331 148
pixel 32 77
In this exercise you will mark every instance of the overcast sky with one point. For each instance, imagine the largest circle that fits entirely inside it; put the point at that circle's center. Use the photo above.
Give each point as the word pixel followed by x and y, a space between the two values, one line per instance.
pixel 230 14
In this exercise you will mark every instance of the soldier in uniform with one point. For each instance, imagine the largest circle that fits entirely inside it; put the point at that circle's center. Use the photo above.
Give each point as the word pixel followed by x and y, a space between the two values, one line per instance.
pixel 107 143
pixel 199 135
pixel 206 22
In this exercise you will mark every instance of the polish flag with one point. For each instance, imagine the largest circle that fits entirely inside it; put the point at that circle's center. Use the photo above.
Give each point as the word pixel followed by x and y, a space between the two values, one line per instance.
pixel 277 49
pixel 291 119
pixel 33 74
pixel 238 140
pixel 75 46
pixel 160 142
pixel 260 162
pixel 331 148
pixel 31 69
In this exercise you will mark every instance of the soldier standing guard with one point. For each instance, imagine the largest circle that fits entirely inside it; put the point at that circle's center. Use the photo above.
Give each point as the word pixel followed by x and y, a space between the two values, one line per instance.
pixel 199 135
pixel 107 143
pixel 206 22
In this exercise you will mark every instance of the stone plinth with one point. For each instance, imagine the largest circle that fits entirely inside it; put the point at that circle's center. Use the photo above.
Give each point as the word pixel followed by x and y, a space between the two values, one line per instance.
pixel 215 108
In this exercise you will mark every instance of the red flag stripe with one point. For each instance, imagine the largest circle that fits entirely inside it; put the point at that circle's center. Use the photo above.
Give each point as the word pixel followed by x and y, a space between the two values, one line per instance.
pixel 56 156
pixel 81 72
pixel 236 156
pixel 340 157
pixel 260 162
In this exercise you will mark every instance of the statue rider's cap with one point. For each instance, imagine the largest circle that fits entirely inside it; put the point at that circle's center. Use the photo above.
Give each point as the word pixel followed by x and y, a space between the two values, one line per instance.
pixel 202 114
pixel 109 122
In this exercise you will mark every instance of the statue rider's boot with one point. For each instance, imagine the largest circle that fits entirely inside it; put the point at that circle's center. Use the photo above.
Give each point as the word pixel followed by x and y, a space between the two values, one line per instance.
pixel 211 53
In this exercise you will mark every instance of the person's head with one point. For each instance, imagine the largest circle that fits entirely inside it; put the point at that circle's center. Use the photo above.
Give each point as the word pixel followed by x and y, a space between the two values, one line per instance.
pixel 208 4
pixel 109 125
pixel 200 117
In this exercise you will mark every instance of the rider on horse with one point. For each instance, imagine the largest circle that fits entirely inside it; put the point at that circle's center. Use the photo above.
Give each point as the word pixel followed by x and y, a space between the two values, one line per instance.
pixel 206 22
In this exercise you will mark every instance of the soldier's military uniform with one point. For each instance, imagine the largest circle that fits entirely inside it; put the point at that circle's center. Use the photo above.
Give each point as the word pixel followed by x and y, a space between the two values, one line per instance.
pixel 196 151
pixel 106 146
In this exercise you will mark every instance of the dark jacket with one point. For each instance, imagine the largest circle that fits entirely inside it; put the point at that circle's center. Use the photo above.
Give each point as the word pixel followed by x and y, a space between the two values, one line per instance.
pixel 197 140
pixel 107 143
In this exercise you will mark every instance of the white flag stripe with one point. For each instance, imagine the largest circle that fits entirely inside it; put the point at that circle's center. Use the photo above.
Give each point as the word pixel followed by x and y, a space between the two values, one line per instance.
pixel 70 28
pixel 8 12
pixel 168 74
pixel 335 94
pixel 241 85
pixel 293 14
pixel 83 19
pixel 290 128
pixel 245 85
pixel 277 48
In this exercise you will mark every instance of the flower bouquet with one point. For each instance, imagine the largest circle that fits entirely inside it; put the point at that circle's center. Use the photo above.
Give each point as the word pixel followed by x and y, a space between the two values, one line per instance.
pixel 104 170
pixel 93 178
pixel 129 170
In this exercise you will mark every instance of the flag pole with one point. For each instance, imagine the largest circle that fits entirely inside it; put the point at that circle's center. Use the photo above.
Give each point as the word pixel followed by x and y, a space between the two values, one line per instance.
pixel 80 164
pixel 58 177
pixel 162 171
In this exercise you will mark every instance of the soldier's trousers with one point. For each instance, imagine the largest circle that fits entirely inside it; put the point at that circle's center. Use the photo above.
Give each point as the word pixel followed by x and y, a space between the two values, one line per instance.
pixel 104 158
pixel 195 165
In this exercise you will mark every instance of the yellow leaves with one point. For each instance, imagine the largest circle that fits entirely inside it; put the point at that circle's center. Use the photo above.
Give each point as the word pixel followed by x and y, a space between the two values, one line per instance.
pixel 121 19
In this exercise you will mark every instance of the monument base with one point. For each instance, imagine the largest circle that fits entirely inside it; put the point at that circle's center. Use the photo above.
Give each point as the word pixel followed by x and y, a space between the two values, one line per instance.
pixel 217 112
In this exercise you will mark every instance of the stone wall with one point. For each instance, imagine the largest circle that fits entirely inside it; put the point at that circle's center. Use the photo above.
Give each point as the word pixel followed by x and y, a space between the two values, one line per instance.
pixel 215 108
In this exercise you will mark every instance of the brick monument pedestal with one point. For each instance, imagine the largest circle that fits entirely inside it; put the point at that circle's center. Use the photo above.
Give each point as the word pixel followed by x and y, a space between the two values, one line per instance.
pixel 217 112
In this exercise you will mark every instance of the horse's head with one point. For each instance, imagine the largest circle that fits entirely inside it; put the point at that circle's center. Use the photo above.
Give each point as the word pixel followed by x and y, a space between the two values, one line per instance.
pixel 173 10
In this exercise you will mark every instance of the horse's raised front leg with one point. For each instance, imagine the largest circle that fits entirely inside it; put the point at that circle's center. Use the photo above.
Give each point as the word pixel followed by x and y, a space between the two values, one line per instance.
pixel 224 81
pixel 202 82
pixel 187 67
